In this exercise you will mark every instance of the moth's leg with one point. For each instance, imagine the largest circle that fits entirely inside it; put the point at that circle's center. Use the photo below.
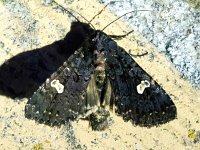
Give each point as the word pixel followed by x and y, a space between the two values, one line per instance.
pixel 138 55
pixel 100 120
pixel 88 112
pixel 119 37
pixel 107 97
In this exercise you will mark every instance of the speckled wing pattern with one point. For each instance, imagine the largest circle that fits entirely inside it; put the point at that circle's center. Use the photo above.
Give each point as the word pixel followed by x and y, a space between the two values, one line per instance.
pixel 53 107
pixel 136 96
pixel 151 107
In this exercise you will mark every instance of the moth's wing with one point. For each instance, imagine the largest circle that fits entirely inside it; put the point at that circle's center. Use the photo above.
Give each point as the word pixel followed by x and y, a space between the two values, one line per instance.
pixel 53 108
pixel 152 107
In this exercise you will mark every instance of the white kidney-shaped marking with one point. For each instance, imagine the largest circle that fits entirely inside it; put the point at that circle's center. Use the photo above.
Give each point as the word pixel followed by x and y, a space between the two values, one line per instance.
pixel 141 87
pixel 57 85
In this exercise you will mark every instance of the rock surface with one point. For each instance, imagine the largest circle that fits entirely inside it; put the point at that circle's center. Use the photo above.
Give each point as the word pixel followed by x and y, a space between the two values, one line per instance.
pixel 172 26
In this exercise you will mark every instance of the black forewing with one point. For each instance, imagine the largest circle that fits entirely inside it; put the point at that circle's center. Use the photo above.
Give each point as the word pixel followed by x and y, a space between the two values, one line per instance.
pixel 153 107
pixel 53 108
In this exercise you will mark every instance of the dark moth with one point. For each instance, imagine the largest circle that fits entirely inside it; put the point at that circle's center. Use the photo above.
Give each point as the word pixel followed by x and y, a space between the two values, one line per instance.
pixel 98 77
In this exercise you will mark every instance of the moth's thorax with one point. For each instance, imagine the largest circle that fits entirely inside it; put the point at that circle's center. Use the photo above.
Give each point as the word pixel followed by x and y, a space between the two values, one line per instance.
pixel 99 73
pixel 105 43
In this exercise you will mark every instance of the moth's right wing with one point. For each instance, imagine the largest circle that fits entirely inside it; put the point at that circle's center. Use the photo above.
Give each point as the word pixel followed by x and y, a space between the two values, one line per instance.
pixel 62 96
pixel 137 96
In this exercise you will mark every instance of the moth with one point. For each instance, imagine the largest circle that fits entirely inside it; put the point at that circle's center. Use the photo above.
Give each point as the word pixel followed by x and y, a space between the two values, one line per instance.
pixel 100 76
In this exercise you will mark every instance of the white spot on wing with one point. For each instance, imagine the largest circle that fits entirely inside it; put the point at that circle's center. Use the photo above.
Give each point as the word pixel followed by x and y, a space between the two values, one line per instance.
pixel 141 87
pixel 57 85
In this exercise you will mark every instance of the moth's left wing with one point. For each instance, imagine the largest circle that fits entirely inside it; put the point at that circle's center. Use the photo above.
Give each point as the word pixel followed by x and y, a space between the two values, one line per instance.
pixel 137 96
pixel 62 96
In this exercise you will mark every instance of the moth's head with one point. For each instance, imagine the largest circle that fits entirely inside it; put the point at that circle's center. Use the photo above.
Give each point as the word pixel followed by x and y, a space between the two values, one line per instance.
pixel 74 39
pixel 81 27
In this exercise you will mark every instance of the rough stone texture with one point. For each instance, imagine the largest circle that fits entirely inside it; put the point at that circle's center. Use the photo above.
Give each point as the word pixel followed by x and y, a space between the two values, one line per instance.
pixel 171 25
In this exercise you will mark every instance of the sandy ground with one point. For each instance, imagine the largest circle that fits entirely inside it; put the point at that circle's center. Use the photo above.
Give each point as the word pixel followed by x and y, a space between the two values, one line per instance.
pixel 17 132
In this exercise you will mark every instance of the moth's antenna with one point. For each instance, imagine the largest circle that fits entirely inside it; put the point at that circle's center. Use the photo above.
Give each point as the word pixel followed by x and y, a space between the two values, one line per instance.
pixel 102 10
pixel 83 18
pixel 63 8
pixel 79 14
pixel 67 10
pixel 121 17
pixel 98 13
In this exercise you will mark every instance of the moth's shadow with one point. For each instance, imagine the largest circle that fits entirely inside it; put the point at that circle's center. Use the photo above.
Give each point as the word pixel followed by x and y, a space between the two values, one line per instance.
pixel 21 75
